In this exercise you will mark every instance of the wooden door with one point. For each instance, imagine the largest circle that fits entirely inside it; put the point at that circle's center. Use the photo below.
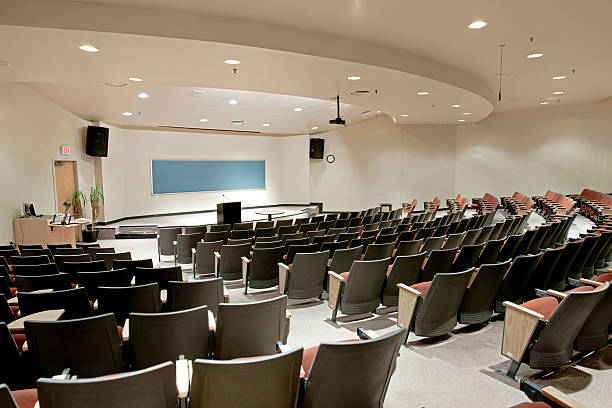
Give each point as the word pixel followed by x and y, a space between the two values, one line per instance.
pixel 65 182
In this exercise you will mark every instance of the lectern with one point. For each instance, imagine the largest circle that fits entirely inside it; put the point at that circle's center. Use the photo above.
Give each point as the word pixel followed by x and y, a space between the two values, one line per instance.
pixel 229 213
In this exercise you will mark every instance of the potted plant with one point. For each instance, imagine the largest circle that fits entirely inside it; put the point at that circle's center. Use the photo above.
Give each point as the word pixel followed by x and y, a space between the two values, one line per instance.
pixel 96 200
pixel 77 199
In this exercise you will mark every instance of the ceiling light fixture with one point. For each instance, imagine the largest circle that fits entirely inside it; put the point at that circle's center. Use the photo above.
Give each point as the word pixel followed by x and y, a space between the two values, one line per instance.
pixel 466 113
pixel 232 61
pixel 353 78
pixel 460 120
pixel 423 93
pixel 535 55
pixel 558 92
pixel 127 113
pixel 203 120
pixel 298 109
pixel 478 24
pixel 455 106
pixel 405 115
pixel 88 48
pixel 314 128
pixel 135 79
pixel 143 95
pixel 544 103
pixel 559 77
pixel 265 124
pixel 232 102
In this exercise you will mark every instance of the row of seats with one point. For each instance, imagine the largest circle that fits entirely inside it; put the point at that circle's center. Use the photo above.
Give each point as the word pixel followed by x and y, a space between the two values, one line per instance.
pixel 554 204
pixel 457 204
pixel 517 204
pixel 487 204
pixel 595 205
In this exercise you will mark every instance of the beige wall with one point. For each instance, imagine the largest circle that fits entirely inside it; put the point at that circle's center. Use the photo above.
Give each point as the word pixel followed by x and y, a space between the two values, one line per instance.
pixel 32 128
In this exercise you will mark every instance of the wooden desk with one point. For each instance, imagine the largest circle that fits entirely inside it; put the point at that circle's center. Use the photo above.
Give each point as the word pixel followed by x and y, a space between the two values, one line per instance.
pixel 270 212
pixel 44 316
pixel 36 230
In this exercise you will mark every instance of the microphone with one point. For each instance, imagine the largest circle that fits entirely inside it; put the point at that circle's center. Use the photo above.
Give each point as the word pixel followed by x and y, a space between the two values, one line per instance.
pixel 226 197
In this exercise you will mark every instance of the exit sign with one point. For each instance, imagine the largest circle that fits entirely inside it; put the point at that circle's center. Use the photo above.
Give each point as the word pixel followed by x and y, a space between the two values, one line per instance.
pixel 66 150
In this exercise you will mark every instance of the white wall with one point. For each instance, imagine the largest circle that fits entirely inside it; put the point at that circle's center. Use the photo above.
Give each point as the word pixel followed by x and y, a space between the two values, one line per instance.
pixel 32 128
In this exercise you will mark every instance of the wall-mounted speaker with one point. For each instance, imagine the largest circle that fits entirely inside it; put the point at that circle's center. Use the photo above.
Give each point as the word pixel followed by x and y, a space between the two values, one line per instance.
pixel 96 143
pixel 317 146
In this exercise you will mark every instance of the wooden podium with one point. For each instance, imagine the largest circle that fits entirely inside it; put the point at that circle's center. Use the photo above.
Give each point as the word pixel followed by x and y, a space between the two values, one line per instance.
pixel 229 213
pixel 36 230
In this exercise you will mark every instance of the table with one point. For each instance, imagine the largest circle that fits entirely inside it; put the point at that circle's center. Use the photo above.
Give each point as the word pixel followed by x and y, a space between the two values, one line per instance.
pixel 269 212
pixel 44 316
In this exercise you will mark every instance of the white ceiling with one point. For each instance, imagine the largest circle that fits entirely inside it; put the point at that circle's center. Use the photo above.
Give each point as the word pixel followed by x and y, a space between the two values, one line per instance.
pixel 308 49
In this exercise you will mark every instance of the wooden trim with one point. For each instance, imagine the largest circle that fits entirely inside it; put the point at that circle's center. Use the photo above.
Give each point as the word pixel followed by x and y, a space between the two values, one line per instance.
pixel 183 377
pixel 560 398
pixel 245 269
pixel 335 282
pixel 556 293
pixel 590 282
pixel 407 304
pixel 282 277
pixel 519 325
pixel 126 330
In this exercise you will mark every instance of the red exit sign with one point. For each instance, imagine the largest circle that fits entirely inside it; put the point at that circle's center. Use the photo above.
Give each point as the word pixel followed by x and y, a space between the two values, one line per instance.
pixel 66 150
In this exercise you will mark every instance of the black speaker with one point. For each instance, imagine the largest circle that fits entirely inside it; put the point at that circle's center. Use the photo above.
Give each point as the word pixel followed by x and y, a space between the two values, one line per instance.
pixel 316 148
pixel 97 141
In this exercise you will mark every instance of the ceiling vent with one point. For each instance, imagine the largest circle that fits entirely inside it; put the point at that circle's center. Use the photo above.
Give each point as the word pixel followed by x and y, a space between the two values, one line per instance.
pixel 366 112
pixel 236 122
pixel 364 92
pixel 115 84
pixel 196 93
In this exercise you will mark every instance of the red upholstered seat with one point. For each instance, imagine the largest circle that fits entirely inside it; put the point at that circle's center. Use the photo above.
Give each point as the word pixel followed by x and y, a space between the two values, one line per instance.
pixel 532 405
pixel 422 287
pixel 394 252
pixel 15 310
pixel 120 331
pixel 25 398
pixel 472 279
pixel 389 269
pixel 309 354
pixel 606 277
pixel 345 275
pixel 581 289
pixel 14 291
pixel 545 306
pixel 19 338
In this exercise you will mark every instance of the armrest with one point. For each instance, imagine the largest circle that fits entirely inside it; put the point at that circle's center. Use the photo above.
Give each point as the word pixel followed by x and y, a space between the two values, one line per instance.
pixel 282 348
pixel 407 304
pixel 282 277
pixel 212 324
pixel 556 294
pixel 174 243
pixel 226 295
pixel 245 269
pixel 590 282
pixel 560 398
pixel 126 330
pixel 370 334
pixel 519 326
pixel 193 251
pixel 335 282
pixel 217 255
pixel 217 262
pixel 183 377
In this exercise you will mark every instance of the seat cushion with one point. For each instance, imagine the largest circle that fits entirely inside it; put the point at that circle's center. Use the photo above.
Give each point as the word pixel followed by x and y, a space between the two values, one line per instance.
pixel 422 287
pixel 581 289
pixel 606 277
pixel 389 269
pixel 345 275
pixel 14 291
pixel 309 354
pixel 544 305
pixel 15 310
pixel 532 405
pixel 25 398
pixel 19 338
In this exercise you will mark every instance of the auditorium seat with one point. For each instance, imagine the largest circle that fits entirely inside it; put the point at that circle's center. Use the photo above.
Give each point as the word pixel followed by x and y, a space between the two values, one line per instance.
pixel 30 246
pixel 232 241
pixel 241 234
pixel 160 275
pixel 121 301
pixel 305 277
pixel 471 236
pixel 204 257
pixel 228 263
pixel 110 258
pixel 91 281
pixel 74 302
pixel 595 332
pixel 8 255
pixel 31 260
pixel 541 275
pixel 185 242
pixel 165 238
pixel 558 278
pixel 510 246
pixel 343 259
pixel 438 261
pixel 490 252
pixel 331 247
pixel 477 304
pixel 219 227
pixel 467 257
pixel 248 226
pixel 69 251
pixel 379 251
pixel 432 243
pixel 294 249
pixel 60 260
pixel 72 268
pixel 35 270
pixel 588 245
pixel 429 309
pixel 262 324
pixel 514 283
pixel 260 271
pixel 409 248
pixel 32 283
pixel 262 243
pixel 187 295
pixel 405 269
pixel 37 252
pixel 14 370
pixel 358 290
pixel 454 240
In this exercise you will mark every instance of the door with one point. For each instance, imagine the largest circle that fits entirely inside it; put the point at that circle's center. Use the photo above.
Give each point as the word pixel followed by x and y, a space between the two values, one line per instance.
pixel 65 182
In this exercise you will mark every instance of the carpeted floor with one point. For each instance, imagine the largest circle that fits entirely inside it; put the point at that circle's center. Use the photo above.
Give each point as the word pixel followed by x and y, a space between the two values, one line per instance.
pixel 457 370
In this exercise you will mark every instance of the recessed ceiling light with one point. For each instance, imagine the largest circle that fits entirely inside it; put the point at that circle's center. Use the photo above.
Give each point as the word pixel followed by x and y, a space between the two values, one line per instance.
pixel 143 95
pixel 265 124
pixel 466 113
pixel 478 24
pixel 405 115
pixel 135 79
pixel 535 55
pixel 314 128
pixel 353 78
pixel 203 120
pixel 127 113
pixel 460 120
pixel 5 64
pixel 423 93
pixel 378 111
pixel 559 77
pixel 232 101
pixel 298 109
pixel 455 106
pixel 88 48
pixel 544 103
pixel 232 62
pixel 558 92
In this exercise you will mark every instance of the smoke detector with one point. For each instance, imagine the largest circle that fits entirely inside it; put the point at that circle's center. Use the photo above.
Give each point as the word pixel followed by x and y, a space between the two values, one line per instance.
pixel 239 122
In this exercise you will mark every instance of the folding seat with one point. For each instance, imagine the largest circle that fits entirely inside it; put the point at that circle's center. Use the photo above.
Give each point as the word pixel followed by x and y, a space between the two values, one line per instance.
pixel 304 228
pixel 69 251
pixel 497 227
pixel 440 231
pixel 365 379
pixel 558 278
pixel 90 347
pixel 525 245
pixel 74 302
pixel 110 258
pixel 343 259
pixel 463 223
pixel 331 216
pixel 388 230
pixel 361 242
pixel 319 240
pixel 187 295
pixel 384 224
pixel 471 237
pixel 331 247
pixel 31 260
pixel 60 260
pixel 484 235
pixel 295 249
pixel 471 223
pixel 409 248
pixel 548 241
pixel 342 223
pixel 543 271
pixel 271 381
pixel 94 251
pixel 86 245
pixel 505 229
pixel 266 239
pixel 121 301
pixel 516 279
pixel 336 232
pixel 297 241
pixel 315 233
pixel 452 227
pixel 35 270
pixel 38 252
pixel 425 232
pixel 72 268
pixel 477 304
pixel 438 261
pixel 155 338
pixel 207 237
pixel 317 219
pixel 356 229
pixel 300 221
pixel 261 270
pixel 153 387
pixel 430 308
pixel 220 227
pixel 325 225
pixel 268 244
pixel 404 227
pixel 467 257
pixel 405 269
pixel 131 264
pixel 418 225
pixel 241 234
pixel 432 243
pixel 357 291
pixel 204 257
pixel 370 227
pixel 588 270
pixel 509 249
pixel 369 234
pixel 14 371
pixel 406 236
pixel 538 239
pixel 595 332
pixel 285 237
pixel 91 281
pixel 305 277
pixel 32 246
pixel 247 226
pixel 490 252
pixel 8 255
pixel 165 238
pixel 32 283
pixel 161 276
pixel 263 323
pixel 541 332
pixel 378 251
pixel 200 230
pixel 588 245
pixel 6 290
pixel 386 239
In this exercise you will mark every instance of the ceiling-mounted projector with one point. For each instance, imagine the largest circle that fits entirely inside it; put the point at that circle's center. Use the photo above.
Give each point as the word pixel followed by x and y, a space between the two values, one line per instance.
pixel 338 120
